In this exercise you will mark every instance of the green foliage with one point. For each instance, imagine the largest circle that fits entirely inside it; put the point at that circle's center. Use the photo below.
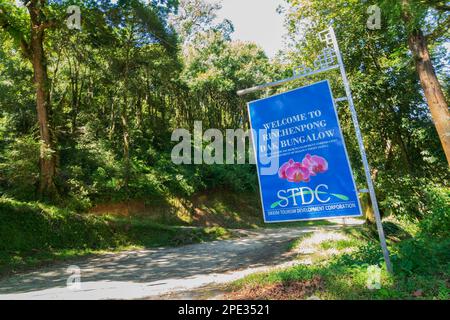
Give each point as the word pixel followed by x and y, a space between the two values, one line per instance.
pixel 237 178
pixel 436 222
pixel 422 256
pixel 118 87
pixel 19 170
pixel 411 196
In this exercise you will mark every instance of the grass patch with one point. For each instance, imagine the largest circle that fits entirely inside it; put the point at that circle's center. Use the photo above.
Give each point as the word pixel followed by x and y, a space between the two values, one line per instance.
pixel 300 224
pixel 35 234
pixel 296 243
pixel 339 244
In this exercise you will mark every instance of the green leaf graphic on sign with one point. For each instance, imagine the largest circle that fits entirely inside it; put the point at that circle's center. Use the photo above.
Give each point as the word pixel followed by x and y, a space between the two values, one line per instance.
pixel 337 195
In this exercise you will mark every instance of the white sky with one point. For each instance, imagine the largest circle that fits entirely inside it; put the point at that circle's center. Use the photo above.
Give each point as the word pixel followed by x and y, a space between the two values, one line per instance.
pixel 256 21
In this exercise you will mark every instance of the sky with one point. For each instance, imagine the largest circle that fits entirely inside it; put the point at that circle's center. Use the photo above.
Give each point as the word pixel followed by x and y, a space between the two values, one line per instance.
pixel 256 21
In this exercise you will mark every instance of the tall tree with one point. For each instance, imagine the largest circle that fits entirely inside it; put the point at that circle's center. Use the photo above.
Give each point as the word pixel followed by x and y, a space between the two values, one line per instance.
pixel 414 14
pixel 31 43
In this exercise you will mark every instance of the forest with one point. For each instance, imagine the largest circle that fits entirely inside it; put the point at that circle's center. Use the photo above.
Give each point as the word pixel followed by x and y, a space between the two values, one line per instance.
pixel 87 115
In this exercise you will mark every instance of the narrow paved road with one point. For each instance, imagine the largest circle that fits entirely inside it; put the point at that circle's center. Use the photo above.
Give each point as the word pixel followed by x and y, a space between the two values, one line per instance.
pixel 156 272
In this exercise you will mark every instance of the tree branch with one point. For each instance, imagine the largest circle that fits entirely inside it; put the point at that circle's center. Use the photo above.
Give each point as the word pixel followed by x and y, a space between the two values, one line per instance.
pixel 440 30
pixel 15 33
pixel 438 5
pixel 47 24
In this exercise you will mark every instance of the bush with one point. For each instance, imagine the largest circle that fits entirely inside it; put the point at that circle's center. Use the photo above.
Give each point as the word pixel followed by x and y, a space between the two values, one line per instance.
pixel 19 172
pixel 402 195
pixel 436 221
pixel 422 256
pixel 237 178
pixel 417 198
pixel 28 227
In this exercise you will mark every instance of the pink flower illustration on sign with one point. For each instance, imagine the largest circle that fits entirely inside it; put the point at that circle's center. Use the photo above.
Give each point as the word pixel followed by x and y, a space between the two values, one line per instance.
pixel 315 164
pixel 302 171
pixel 294 172
pixel 298 173
pixel 283 168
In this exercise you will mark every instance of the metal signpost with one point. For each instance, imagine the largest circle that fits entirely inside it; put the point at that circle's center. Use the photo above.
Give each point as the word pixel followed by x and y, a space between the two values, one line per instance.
pixel 327 61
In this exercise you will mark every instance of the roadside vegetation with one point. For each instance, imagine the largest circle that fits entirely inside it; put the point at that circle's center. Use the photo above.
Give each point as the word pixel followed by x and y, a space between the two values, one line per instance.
pixel 338 265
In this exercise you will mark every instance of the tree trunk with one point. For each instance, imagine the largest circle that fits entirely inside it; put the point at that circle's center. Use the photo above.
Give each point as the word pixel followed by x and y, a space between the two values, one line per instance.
pixel 47 154
pixel 432 88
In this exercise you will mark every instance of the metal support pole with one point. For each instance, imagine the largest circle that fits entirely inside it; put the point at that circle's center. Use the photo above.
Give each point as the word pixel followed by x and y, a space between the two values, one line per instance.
pixel 280 82
pixel 373 197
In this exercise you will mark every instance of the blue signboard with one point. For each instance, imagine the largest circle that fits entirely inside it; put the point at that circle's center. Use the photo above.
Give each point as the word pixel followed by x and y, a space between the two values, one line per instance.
pixel 303 167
